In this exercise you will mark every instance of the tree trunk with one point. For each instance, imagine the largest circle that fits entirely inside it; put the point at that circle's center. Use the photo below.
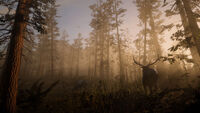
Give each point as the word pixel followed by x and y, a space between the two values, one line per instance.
pixel 145 38
pixel 52 52
pixel 101 70
pixel 72 62
pixel 95 59
pixel 77 66
pixel 193 49
pixel 192 24
pixel 122 76
pixel 13 60
pixel 89 62
pixel 155 35
pixel 108 55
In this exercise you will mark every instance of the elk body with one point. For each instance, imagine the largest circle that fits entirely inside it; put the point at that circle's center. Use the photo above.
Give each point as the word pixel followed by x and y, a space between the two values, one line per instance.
pixel 149 76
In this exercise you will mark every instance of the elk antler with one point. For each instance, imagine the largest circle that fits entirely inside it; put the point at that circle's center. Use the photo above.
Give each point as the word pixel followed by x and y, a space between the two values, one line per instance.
pixel 154 61
pixel 137 62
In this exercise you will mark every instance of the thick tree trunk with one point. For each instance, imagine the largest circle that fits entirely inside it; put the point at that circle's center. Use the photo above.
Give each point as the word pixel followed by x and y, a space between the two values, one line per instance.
pixel 195 57
pixel 192 24
pixel 193 49
pixel 13 60
pixel 187 30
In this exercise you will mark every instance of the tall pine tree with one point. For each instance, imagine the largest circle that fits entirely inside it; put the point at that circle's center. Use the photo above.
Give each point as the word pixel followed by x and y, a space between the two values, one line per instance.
pixel 28 14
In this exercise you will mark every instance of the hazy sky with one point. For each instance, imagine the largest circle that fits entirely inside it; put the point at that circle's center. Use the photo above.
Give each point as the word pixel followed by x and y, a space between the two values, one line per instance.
pixel 76 17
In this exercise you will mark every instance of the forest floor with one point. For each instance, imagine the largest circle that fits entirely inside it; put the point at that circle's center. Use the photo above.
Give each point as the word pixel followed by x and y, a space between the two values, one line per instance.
pixel 80 95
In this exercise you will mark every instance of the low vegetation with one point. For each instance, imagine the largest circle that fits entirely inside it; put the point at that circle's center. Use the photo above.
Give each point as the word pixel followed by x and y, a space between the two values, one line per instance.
pixel 81 95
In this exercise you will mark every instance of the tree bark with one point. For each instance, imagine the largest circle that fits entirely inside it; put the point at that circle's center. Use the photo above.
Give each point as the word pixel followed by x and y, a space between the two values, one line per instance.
pixel 192 24
pixel 13 60
pixel 193 49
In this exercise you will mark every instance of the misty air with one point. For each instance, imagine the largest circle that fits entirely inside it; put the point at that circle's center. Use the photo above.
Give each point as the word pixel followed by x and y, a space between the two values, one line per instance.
pixel 99 56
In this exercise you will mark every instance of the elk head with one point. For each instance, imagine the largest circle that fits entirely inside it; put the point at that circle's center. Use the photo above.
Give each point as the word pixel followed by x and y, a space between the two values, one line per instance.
pixel 146 67
pixel 149 75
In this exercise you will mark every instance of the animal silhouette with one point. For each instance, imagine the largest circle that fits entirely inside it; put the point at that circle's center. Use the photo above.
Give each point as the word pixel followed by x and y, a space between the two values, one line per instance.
pixel 149 76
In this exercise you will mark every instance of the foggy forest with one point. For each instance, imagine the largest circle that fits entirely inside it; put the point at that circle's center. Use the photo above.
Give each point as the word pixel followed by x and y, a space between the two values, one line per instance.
pixel 99 56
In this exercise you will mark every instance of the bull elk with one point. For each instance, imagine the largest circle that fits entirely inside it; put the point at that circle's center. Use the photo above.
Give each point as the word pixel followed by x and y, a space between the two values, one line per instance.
pixel 149 76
